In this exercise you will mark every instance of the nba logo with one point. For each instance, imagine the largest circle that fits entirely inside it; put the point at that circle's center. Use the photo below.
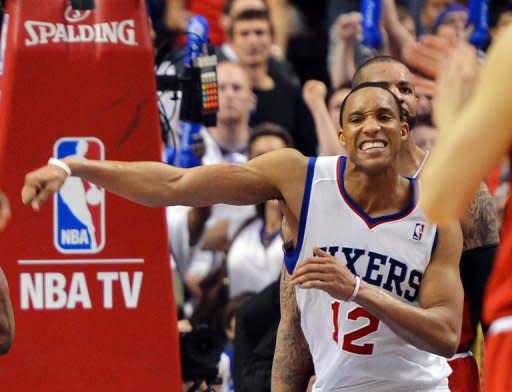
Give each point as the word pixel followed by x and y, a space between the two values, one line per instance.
pixel 79 206
pixel 418 231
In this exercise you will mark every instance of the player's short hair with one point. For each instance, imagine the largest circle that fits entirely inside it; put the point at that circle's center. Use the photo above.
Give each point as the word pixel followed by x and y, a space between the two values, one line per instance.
pixel 250 14
pixel 401 113
pixel 357 79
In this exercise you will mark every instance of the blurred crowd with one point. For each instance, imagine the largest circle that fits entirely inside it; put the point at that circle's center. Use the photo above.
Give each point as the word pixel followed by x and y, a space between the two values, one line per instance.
pixel 284 69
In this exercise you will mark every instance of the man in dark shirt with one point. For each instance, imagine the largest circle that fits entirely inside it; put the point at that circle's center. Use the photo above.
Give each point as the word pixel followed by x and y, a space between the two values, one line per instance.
pixel 278 101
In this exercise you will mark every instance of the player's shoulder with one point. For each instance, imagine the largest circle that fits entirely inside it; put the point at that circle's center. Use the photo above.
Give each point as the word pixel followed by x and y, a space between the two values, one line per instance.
pixel 285 158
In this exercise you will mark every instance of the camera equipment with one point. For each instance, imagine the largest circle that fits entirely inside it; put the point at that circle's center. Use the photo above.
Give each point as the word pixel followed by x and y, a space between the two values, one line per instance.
pixel 83 5
pixel 200 355
pixel 198 86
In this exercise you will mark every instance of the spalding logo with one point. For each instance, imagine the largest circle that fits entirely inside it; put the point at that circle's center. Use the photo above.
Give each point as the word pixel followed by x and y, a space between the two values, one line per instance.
pixel 113 32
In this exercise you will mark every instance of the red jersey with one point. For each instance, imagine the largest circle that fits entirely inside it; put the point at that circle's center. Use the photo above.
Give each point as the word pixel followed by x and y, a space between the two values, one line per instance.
pixel 468 331
pixel 212 11
pixel 498 293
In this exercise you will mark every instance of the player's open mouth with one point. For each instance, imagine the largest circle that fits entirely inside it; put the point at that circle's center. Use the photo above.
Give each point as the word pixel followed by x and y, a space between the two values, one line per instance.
pixel 369 145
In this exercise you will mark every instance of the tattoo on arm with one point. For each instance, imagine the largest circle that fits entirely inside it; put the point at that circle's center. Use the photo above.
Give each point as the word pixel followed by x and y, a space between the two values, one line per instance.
pixel 292 367
pixel 479 223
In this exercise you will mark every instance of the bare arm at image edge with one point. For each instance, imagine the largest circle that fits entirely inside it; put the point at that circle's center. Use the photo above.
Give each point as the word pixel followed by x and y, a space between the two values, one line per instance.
pixel 6 316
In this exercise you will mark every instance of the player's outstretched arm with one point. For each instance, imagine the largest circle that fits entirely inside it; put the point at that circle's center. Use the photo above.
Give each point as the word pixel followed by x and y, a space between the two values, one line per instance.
pixel 156 184
pixel 474 136
pixel 434 326
pixel 6 316
pixel 292 367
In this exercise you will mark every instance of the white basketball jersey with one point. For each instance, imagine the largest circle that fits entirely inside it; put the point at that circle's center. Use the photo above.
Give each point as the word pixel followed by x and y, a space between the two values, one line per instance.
pixel 351 349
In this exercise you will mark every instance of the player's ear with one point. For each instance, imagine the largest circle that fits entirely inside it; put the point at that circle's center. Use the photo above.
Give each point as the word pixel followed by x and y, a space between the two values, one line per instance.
pixel 404 130
pixel 341 137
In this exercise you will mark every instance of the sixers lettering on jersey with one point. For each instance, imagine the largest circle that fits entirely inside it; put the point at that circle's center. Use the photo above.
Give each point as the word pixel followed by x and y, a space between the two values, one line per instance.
pixel 393 278
pixel 79 206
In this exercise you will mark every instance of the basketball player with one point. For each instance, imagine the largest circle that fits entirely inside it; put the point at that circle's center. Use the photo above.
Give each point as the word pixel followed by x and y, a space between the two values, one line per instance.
pixel 418 323
pixel 348 339
pixel 478 225
pixel 74 195
pixel 475 136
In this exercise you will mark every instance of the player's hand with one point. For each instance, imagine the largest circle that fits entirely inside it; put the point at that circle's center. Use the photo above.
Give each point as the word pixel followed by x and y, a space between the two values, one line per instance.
pixel 324 272
pixel 5 210
pixel 40 184
pixel 314 93
pixel 455 84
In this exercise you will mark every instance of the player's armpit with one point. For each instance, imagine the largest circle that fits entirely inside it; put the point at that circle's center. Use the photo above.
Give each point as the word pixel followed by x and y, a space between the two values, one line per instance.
pixel 292 367
pixel 478 224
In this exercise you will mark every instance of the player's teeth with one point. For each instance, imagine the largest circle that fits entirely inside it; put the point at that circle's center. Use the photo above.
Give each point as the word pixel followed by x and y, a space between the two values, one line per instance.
pixel 369 145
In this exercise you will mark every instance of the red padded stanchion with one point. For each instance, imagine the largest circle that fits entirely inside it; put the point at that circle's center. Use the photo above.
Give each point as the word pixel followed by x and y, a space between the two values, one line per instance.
pixel 89 274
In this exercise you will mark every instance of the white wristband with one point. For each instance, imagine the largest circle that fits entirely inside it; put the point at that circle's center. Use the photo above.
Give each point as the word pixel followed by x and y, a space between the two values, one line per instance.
pixel 61 164
pixel 356 289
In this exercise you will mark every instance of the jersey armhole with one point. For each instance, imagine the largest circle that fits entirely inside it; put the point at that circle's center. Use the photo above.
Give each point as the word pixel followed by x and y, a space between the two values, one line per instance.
pixel 291 258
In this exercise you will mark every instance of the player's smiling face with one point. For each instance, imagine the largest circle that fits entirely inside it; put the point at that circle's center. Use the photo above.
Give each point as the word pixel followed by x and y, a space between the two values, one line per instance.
pixel 372 131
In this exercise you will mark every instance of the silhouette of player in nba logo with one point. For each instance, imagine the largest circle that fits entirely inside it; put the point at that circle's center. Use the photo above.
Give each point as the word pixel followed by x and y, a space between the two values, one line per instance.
pixel 418 231
pixel 77 223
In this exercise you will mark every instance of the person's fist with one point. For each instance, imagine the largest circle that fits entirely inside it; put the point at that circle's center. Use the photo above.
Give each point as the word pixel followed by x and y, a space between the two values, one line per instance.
pixel 349 26
pixel 314 92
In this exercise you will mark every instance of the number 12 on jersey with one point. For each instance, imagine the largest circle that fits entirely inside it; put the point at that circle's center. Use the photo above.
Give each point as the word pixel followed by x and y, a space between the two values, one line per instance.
pixel 349 337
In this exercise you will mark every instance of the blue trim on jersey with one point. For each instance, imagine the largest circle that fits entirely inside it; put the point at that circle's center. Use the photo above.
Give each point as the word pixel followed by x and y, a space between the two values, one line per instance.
pixel 290 258
pixel 434 244
pixel 370 221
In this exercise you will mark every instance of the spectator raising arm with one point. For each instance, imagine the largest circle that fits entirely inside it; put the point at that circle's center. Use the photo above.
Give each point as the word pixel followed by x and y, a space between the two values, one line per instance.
pixel 314 93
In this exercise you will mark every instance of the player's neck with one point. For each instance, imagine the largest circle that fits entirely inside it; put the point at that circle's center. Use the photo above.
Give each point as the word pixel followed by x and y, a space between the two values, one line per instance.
pixel 410 158
pixel 378 194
